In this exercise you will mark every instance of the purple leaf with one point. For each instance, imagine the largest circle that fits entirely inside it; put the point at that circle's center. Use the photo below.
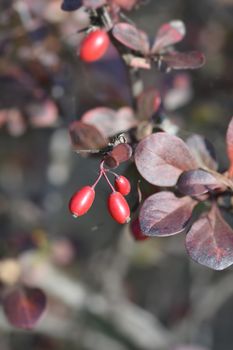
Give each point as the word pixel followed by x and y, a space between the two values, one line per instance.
pixel 210 241
pixel 23 307
pixel 94 4
pixel 86 137
pixel 120 153
pixel 184 60
pixel 203 151
pixel 131 37
pixel 168 34
pixel 161 158
pixel 110 122
pixel 229 141
pixel 197 182
pixel 164 214
pixel 148 103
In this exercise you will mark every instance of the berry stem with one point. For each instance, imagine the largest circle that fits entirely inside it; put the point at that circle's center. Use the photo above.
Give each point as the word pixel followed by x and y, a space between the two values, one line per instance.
pixel 98 179
pixel 112 172
pixel 107 179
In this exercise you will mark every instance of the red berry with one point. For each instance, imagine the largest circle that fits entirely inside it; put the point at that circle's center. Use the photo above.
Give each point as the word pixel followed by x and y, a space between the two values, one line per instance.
pixel 118 208
pixel 94 46
pixel 136 231
pixel 122 185
pixel 81 201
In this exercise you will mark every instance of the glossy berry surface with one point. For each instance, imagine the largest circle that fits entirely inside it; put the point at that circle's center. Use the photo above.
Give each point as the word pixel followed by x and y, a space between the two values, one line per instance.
pixel 122 185
pixel 81 201
pixel 94 46
pixel 136 231
pixel 118 208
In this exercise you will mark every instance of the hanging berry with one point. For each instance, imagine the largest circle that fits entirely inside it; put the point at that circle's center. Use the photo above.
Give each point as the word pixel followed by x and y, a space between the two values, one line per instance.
pixel 82 201
pixel 122 185
pixel 118 208
pixel 94 46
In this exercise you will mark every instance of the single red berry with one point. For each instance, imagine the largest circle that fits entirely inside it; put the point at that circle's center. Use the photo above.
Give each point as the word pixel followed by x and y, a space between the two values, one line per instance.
pixel 81 201
pixel 122 185
pixel 118 208
pixel 136 231
pixel 94 46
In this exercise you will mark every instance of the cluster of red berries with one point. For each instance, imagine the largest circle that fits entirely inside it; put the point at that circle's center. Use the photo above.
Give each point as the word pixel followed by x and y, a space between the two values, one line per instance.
pixel 118 207
pixel 94 45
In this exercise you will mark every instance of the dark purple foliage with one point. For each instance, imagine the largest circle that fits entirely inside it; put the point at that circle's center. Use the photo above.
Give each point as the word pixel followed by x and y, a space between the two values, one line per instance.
pixel 184 60
pixel 168 34
pixel 131 37
pixel 161 158
pixel 210 241
pixel 86 137
pixel 23 307
pixel 110 122
pixel 120 153
pixel 203 151
pixel 197 182
pixel 164 214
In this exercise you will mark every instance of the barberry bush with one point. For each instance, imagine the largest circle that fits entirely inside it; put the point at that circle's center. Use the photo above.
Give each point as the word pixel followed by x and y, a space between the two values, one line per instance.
pixel 164 160
pixel 94 77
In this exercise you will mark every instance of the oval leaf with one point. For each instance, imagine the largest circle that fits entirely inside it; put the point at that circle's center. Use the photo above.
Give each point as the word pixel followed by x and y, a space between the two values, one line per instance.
pixel 161 158
pixel 164 214
pixel 168 34
pixel 229 140
pixel 184 60
pixel 131 37
pixel 110 122
pixel 24 307
pixel 86 137
pixel 210 241
pixel 197 182
pixel 203 151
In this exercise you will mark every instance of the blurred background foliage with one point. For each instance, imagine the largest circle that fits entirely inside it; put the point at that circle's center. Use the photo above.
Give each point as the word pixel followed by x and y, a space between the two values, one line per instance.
pixel 105 291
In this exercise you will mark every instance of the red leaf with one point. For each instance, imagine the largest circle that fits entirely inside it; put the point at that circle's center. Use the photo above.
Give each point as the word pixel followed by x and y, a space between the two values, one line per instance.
pixel 148 103
pixel 210 241
pixel 197 182
pixel 110 122
pixel 121 153
pixel 131 37
pixel 164 214
pixel 229 140
pixel 203 151
pixel 168 34
pixel 161 158
pixel 86 137
pixel 94 4
pixel 24 307
pixel 184 60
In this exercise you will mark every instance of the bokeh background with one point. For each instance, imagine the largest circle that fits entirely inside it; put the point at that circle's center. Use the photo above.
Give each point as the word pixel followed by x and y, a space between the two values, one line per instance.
pixel 105 291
